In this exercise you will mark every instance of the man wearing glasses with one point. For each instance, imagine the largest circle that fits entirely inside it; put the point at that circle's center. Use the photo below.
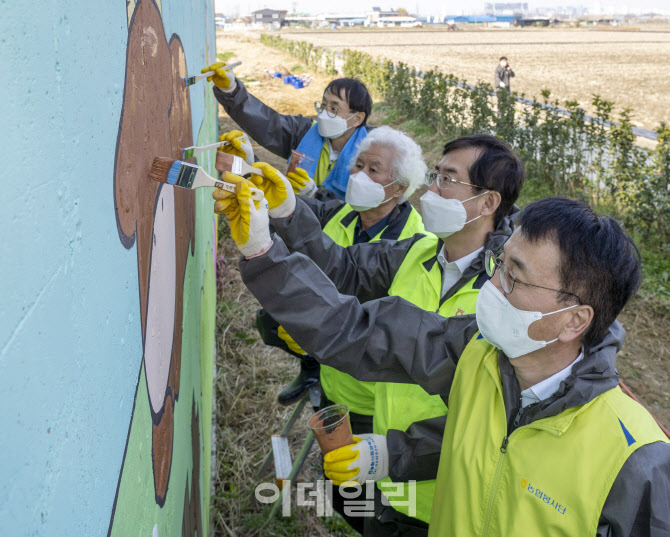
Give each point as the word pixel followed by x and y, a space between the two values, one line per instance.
pixel 331 140
pixel 539 439
pixel 470 207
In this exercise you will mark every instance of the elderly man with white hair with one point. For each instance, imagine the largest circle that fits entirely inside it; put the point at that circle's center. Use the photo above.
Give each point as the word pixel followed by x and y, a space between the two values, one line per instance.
pixel 386 169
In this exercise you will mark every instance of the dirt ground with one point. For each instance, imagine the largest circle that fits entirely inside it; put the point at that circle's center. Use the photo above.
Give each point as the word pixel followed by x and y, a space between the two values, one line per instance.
pixel 626 67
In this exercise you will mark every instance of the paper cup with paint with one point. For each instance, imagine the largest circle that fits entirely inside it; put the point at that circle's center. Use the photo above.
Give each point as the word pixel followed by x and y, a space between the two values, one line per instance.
pixel 299 160
pixel 331 427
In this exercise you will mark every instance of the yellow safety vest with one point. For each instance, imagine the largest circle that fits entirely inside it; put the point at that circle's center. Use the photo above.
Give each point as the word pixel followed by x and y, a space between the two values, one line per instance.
pixel 550 477
pixel 323 165
pixel 340 387
pixel 397 406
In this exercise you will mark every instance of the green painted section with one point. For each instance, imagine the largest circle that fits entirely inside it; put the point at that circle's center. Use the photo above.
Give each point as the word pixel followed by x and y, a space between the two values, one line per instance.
pixel 206 227
pixel 136 511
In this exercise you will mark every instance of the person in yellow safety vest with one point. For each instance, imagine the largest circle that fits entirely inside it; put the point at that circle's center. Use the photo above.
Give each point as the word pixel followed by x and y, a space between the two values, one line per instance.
pixel 331 140
pixel 470 206
pixel 388 168
pixel 540 440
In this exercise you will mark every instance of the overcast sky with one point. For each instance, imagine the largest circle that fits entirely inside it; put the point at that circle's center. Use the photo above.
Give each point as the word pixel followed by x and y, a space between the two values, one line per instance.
pixel 431 7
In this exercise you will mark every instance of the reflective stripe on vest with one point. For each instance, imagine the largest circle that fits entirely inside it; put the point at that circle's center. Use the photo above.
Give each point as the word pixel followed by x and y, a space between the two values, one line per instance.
pixel 550 477
pixel 397 406
pixel 340 387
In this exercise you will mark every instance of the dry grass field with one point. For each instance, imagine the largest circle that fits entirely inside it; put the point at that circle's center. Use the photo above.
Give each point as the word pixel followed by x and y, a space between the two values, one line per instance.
pixel 630 68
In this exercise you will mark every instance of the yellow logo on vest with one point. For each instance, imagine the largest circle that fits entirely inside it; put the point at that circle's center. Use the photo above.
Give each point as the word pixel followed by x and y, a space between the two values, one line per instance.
pixel 459 311
pixel 542 496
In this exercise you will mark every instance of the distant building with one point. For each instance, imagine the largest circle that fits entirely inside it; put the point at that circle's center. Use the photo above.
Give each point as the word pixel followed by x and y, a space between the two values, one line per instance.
pixel 300 20
pixel 340 19
pixel 377 17
pixel 594 20
pixel 537 21
pixel 491 20
pixel 268 16
pixel 221 21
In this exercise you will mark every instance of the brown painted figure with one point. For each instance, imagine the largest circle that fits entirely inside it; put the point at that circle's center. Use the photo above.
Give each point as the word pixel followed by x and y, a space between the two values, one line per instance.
pixel 158 219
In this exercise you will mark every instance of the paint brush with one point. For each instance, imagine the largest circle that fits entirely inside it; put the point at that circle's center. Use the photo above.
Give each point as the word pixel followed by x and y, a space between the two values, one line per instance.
pixel 190 80
pixel 225 162
pixel 190 152
pixel 187 175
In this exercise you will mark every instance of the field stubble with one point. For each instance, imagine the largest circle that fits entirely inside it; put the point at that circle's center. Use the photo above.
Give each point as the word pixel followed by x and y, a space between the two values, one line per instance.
pixel 628 68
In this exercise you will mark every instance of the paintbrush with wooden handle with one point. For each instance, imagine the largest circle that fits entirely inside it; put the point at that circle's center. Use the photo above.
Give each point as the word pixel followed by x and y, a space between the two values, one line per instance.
pixel 190 80
pixel 190 152
pixel 225 162
pixel 187 175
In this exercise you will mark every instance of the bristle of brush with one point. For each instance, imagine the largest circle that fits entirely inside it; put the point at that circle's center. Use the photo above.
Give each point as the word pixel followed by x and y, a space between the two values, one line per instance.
pixel 188 153
pixel 173 175
pixel 224 161
pixel 160 169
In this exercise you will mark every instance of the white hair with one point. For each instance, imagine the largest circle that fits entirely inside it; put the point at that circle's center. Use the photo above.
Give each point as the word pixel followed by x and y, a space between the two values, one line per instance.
pixel 408 167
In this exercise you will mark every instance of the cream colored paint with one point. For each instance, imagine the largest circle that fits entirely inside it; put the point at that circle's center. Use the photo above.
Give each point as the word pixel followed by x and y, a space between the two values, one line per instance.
pixel 159 332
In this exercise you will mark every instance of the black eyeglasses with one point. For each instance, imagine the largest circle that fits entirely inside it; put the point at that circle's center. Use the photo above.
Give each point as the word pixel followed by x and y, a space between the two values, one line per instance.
pixel 444 181
pixel 331 111
pixel 507 279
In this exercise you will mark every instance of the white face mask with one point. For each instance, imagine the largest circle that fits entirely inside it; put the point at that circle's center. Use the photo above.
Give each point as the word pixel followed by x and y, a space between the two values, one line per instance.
pixel 363 193
pixel 505 326
pixel 444 217
pixel 332 127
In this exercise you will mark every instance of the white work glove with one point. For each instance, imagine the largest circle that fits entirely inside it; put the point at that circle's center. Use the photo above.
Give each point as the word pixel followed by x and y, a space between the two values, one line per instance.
pixel 502 85
pixel 248 219
pixel 223 78
pixel 366 460
pixel 303 185
pixel 277 190
pixel 239 145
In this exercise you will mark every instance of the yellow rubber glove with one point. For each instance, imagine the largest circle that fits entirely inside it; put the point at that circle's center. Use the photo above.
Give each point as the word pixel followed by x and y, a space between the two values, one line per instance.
pixel 240 145
pixel 248 219
pixel 303 185
pixel 224 79
pixel 365 460
pixel 220 194
pixel 290 342
pixel 277 190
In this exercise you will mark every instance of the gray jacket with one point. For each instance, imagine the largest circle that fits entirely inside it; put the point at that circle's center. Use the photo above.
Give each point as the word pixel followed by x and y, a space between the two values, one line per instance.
pixel 502 75
pixel 276 132
pixel 366 271
pixel 390 340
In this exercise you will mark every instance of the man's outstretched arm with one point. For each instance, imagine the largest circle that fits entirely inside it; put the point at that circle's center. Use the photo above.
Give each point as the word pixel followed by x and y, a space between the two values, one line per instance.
pixel 364 270
pixel 387 340
pixel 276 132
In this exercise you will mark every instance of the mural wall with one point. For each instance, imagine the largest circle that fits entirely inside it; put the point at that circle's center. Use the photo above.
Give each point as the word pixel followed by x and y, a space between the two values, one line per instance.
pixel 108 295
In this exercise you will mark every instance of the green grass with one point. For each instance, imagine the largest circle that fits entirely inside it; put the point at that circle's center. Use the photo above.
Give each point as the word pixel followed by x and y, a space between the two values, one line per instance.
pixel 656 282
pixel 225 56
pixel 248 79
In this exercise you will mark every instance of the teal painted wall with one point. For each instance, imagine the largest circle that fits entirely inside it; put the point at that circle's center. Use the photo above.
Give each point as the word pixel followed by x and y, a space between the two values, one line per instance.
pixel 108 298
